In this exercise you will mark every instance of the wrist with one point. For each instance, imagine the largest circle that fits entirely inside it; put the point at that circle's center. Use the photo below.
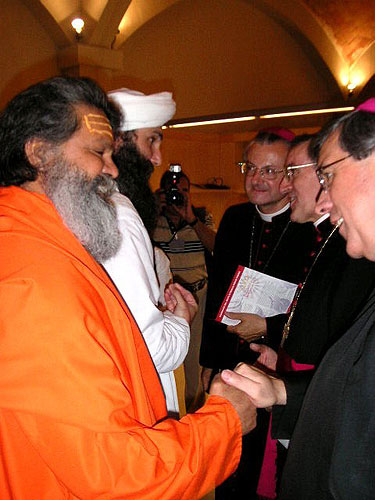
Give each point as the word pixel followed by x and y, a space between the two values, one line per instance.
pixel 280 391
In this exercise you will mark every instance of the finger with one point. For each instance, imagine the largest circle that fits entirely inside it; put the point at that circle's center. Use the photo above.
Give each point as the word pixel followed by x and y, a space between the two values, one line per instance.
pixel 248 371
pixel 169 295
pixel 186 296
pixel 170 305
pixel 234 315
pixel 257 347
pixel 238 365
pixel 239 382
pixel 176 293
pixel 169 299
pixel 184 301
pixel 185 293
pixel 263 349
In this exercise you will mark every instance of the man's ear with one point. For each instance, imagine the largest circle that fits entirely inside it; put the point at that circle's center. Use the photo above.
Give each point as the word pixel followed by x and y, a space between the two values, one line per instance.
pixel 35 151
pixel 117 143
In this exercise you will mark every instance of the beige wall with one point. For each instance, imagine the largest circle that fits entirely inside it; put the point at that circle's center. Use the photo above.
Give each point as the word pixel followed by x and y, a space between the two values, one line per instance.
pixel 27 53
pixel 205 156
pixel 219 56
pixel 215 55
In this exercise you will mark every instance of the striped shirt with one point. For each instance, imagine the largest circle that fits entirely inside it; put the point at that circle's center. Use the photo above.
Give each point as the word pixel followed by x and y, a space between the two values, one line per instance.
pixel 184 249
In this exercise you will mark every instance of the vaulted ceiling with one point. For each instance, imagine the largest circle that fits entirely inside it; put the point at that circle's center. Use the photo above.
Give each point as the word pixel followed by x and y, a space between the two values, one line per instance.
pixel 329 43
pixel 348 24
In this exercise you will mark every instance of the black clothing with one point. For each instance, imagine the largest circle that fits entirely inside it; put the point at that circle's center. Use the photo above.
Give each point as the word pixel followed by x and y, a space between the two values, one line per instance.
pixel 333 295
pixel 331 455
pixel 279 248
pixel 335 291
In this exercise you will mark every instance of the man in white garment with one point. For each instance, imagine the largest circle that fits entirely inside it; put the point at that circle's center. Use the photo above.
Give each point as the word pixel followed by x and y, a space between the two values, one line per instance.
pixel 138 142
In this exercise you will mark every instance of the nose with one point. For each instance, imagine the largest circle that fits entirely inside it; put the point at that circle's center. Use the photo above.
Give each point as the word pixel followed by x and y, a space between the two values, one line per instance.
pixel 323 204
pixel 285 185
pixel 257 177
pixel 109 167
pixel 156 157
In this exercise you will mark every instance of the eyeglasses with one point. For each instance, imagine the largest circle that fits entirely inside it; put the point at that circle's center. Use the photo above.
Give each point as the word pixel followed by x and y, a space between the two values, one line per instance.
pixel 326 178
pixel 267 172
pixel 290 171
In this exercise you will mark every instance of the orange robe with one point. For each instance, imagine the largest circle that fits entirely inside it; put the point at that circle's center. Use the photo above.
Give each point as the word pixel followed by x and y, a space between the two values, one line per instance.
pixel 82 413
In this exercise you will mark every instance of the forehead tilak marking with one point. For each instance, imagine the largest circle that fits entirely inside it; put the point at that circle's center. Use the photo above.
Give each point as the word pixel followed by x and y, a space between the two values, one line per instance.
pixel 98 124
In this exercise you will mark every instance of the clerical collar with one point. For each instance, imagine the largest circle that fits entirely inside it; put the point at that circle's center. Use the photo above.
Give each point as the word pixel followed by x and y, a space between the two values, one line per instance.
pixel 269 217
pixel 321 219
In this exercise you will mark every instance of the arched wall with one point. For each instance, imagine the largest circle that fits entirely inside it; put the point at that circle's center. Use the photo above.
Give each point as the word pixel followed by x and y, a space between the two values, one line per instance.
pixel 216 56
pixel 223 56
pixel 28 53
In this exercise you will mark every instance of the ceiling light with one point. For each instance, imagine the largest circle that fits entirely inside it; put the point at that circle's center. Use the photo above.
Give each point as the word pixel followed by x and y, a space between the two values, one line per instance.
pixel 78 25
pixel 248 117
pixel 351 80
pixel 309 112
pixel 212 122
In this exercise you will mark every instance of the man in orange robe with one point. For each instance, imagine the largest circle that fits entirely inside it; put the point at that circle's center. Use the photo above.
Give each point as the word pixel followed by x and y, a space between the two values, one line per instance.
pixel 82 413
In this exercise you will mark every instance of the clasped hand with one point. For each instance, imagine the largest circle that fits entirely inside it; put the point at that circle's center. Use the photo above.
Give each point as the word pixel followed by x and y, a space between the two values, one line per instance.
pixel 180 301
pixel 263 390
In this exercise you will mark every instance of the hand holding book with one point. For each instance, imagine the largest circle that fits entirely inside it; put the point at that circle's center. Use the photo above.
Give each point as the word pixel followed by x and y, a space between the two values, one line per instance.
pixel 251 326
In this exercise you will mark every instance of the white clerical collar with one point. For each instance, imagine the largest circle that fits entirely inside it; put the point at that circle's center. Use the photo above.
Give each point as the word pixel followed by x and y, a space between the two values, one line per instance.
pixel 321 219
pixel 269 217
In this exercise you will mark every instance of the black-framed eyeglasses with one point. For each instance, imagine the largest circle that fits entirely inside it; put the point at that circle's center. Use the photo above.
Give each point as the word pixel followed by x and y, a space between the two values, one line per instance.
pixel 326 178
pixel 291 170
pixel 267 172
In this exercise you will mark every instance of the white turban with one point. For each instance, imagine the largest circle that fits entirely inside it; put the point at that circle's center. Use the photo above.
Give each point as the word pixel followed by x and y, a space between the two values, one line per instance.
pixel 143 111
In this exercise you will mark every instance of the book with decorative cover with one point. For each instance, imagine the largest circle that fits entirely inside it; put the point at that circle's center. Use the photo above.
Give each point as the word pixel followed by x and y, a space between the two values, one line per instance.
pixel 257 293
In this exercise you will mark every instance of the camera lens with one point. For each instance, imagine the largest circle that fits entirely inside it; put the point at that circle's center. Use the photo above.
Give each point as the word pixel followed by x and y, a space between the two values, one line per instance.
pixel 174 197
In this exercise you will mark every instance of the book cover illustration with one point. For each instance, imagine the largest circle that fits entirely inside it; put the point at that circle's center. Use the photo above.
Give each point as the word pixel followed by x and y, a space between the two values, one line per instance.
pixel 257 293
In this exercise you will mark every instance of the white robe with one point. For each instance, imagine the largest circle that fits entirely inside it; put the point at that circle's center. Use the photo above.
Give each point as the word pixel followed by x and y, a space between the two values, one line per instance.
pixel 132 270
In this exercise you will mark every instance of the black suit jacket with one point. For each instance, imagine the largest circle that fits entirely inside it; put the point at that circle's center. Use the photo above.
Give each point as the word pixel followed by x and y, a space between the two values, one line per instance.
pixel 287 258
pixel 331 455
pixel 334 294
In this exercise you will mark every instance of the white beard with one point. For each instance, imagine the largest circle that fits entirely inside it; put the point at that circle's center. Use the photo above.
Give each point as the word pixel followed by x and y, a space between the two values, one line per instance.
pixel 84 205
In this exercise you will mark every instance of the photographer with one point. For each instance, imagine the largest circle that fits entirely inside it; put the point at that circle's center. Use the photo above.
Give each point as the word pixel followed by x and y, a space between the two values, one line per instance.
pixel 187 236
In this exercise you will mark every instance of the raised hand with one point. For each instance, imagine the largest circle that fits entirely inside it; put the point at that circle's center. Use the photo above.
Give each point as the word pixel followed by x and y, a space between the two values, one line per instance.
pixel 180 301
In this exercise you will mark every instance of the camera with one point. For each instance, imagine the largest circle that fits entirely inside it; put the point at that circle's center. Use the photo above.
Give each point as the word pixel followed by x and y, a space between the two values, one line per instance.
pixel 173 195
